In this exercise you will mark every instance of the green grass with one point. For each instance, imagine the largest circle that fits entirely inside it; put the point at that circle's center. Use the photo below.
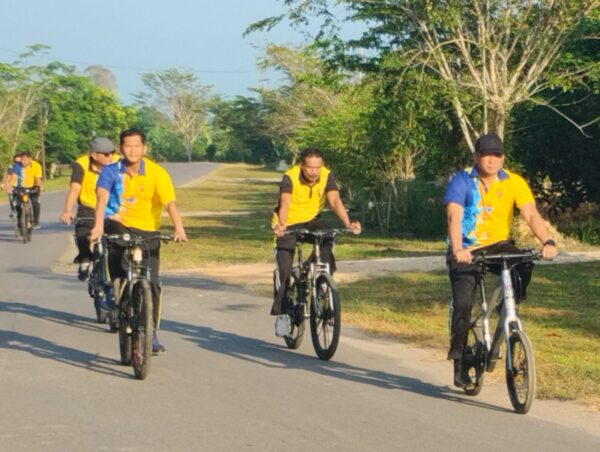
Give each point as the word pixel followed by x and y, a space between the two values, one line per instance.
pixel 561 316
pixel 227 218
pixel 57 184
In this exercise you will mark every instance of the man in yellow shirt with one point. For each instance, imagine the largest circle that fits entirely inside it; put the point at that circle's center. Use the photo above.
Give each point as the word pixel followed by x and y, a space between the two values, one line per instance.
pixel 479 204
pixel 303 192
pixel 131 195
pixel 82 189
pixel 32 178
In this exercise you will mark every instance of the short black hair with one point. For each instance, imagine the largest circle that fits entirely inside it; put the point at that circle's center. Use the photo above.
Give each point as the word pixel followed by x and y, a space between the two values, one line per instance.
pixel 130 133
pixel 25 153
pixel 311 152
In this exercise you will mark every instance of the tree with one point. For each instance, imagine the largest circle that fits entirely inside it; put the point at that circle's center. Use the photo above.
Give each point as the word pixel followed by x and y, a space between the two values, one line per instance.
pixel 181 97
pixel 490 55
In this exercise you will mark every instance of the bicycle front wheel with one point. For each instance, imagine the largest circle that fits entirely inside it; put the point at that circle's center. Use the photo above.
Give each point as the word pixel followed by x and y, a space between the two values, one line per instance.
pixel 26 219
pixel 294 339
pixel 142 328
pixel 520 372
pixel 119 318
pixel 325 320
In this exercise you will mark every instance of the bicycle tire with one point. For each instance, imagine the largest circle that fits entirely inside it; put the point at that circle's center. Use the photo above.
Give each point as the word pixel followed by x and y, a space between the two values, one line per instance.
pixel 325 318
pixel 521 381
pixel 25 220
pixel 121 323
pixel 94 283
pixel 294 340
pixel 142 325
pixel 474 361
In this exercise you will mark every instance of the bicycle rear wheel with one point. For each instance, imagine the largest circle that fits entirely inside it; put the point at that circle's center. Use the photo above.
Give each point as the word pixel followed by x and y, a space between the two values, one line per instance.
pixel 325 320
pixel 121 320
pixel 142 328
pixel 97 291
pixel 473 361
pixel 520 372
pixel 294 340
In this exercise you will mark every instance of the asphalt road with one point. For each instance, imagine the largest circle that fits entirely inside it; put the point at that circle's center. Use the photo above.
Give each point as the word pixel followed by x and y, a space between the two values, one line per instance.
pixel 226 383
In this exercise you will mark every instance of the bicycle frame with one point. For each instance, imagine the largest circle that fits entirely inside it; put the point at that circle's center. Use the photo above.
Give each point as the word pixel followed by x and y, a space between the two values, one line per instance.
pixel 309 271
pixel 508 319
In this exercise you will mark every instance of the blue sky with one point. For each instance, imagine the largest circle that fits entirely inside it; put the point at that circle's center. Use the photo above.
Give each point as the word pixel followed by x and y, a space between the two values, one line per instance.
pixel 134 36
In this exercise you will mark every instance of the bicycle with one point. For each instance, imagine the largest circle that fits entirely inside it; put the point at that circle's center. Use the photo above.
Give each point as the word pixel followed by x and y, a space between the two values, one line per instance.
pixel 313 294
pixel 100 286
pixel 132 299
pixel 24 209
pixel 482 352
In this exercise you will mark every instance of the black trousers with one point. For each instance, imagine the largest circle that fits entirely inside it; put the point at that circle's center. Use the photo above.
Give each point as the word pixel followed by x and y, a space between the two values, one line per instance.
pixel 285 248
pixel 82 234
pixel 37 207
pixel 465 280
pixel 117 259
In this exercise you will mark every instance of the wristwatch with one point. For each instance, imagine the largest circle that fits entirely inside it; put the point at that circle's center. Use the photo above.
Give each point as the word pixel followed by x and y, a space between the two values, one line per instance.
pixel 550 242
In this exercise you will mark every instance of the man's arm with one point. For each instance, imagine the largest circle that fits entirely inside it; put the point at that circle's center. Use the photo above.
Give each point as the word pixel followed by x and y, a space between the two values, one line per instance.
pixel 336 204
pixel 285 201
pixel 454 216
pixel 67 214
pixel 179 234
pixel 536 223
pixel 102 196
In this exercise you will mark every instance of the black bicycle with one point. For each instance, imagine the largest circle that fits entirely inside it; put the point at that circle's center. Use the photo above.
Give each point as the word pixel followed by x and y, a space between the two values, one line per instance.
pixel 482 352
pixel 132 298
pixel 313 295
pixel 24 210
pixel 100 286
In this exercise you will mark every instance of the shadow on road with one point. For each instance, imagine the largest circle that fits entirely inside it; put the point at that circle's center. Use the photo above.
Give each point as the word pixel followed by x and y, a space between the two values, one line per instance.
pixel 270 355
pixel 60 317
pixel 42 348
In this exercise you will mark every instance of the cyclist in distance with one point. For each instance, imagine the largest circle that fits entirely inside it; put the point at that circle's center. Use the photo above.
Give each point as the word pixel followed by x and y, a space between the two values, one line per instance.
pixel 13 178
pixel 131 194
pixel 303 191
pixel 32 178
pixel 479 208
pixel 82 189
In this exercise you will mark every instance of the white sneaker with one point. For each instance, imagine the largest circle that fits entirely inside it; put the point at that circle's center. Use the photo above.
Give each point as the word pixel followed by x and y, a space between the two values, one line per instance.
pixel 282 325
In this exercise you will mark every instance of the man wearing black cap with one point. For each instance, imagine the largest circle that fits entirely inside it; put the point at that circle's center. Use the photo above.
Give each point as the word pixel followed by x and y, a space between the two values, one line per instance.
pixel 82 189
pixel 479 204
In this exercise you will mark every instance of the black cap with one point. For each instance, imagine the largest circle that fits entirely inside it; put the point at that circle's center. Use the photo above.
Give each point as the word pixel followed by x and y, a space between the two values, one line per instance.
pixel 489 144
pixel 102 145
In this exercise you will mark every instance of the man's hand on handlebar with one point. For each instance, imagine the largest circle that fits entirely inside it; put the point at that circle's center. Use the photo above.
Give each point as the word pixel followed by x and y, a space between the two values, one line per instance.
pixel 179 235
pixel 355 227
pixel 66 217
pixel 278 230
pixel 463 256
pixel 549 252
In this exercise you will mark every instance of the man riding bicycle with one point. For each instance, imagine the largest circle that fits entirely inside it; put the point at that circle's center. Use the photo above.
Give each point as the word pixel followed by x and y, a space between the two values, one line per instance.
pixel 131 195
pixel 82 189
pixel 13 178
pixel 479 208
pixel 303 191
pixel 32 178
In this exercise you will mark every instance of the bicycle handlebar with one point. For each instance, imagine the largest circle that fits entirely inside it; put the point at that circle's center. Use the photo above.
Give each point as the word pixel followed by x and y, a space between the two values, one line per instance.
pixel 524 256
pixel 136 239
pixel 318 232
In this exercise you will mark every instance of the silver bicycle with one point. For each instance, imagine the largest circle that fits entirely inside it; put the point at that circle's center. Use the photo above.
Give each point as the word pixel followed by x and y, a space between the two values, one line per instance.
pixel 482 351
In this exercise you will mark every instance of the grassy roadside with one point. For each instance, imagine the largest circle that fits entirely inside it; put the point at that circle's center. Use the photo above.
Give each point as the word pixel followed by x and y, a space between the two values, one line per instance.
pixel 561 316
pixel 227 216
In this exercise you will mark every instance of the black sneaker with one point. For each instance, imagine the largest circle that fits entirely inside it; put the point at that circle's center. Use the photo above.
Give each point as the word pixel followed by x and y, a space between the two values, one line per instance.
pixel 460 379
